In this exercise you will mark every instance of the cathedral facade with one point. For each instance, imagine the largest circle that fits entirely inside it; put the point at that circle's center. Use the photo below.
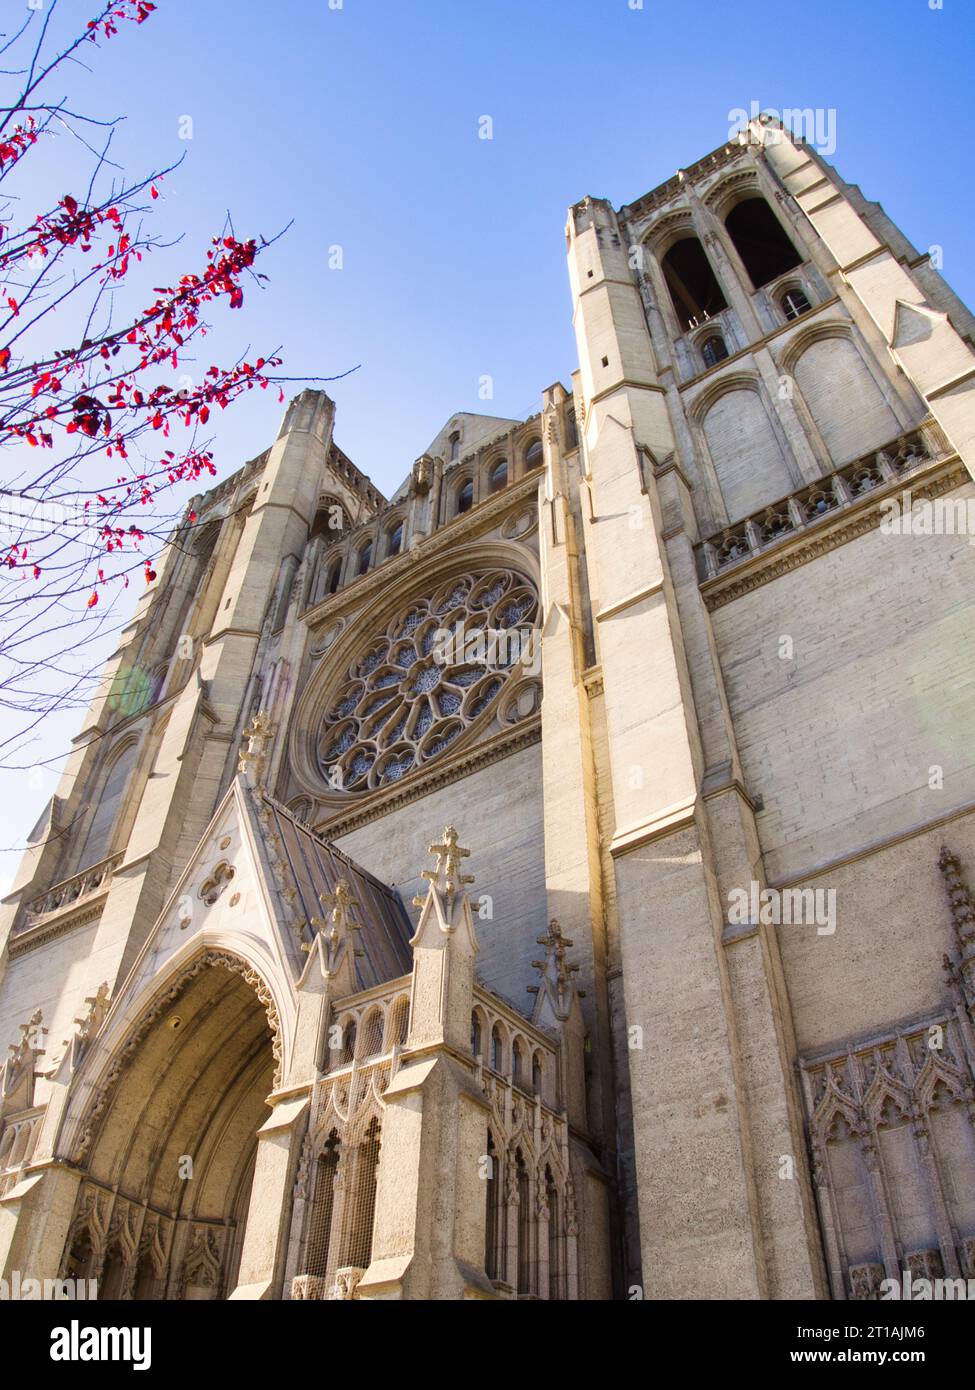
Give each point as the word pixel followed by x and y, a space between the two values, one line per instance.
pixel 556 880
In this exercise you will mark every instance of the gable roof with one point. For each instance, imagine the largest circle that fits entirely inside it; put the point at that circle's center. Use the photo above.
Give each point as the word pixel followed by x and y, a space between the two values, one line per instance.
pixel 315 867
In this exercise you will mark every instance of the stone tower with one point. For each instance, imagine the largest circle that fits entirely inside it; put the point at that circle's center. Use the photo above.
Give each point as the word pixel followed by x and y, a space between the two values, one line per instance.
pixel 683 1006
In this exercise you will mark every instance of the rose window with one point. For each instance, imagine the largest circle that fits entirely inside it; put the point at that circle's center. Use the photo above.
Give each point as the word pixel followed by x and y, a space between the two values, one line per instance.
pixel 411 692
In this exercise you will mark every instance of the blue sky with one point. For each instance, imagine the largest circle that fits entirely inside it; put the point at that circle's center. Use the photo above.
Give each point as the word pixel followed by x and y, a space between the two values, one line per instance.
pixel 360 123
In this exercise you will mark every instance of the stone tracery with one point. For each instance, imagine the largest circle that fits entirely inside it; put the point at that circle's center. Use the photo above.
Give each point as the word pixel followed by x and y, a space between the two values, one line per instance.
pixel 412 691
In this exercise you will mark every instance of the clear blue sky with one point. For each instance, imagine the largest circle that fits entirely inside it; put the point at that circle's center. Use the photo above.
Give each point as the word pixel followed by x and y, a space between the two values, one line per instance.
pixel 360 123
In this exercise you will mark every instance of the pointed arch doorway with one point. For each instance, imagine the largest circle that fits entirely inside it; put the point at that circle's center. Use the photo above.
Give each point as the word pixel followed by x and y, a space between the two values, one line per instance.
pixel 171 1140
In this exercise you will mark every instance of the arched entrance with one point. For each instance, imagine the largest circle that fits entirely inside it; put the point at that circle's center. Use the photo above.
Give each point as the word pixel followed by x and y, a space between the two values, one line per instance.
pixel 170 1142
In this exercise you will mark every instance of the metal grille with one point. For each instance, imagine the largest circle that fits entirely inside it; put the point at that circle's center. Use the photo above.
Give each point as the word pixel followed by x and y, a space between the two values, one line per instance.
pixel 493 1263
pixel 525 1226
pixel 371 1034
pixel 320 1231
pixel 555 1281
pixel 359 1245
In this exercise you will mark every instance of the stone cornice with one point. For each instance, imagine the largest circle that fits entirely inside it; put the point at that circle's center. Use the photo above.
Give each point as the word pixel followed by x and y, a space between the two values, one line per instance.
pixel 60 925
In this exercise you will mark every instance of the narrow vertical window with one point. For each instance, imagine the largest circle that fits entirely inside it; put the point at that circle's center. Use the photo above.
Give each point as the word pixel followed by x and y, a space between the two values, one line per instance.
pixel 323 1206
pixel 359 1251
pixel 525 1226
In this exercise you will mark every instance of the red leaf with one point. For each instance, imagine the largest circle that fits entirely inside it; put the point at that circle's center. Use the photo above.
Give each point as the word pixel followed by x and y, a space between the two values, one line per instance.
pixel 93 600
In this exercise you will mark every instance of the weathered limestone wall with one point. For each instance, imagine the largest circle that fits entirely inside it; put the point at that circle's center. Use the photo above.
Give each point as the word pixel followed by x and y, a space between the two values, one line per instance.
pixel 498 812
pixel 843 739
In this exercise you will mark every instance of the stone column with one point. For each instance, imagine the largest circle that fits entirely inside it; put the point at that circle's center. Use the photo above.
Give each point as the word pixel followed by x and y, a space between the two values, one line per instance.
pixel 35 1219
pixel 269 1214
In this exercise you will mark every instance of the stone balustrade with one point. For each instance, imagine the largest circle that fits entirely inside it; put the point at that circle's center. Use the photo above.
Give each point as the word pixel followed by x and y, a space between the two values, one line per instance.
pixel 71 891
pixel 817 501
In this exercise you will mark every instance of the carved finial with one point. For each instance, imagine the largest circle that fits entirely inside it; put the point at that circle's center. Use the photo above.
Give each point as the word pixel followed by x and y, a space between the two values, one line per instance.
pixel 19 1066
pixel 258 737
pixel 556 969
pixel 87 1027
pixel 332 933
pixel 447 876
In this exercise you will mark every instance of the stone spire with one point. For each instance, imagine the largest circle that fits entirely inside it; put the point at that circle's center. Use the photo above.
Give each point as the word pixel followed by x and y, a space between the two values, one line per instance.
pixel 333 946
pixel 444 950
pixel 555 987
pixel 557 1011
pixel 446 877
pixel 17 1074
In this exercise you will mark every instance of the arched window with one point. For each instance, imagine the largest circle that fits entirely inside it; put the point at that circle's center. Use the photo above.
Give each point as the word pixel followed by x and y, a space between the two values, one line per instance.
pixel 496 1061
pixel 358 1250
pixel 498 477
pixel 329 521
pixel 475 1035
pixel 465 497
pixel 98 842
pixel 371 1036
pixel 493 1224
pixel 714 350
pixel 533 454
pixel 794 303
pixel 454 446
pixel 571 431
pixel 537 1074
pixel 692 283
pixel 394 543
pixel 334 575
pixel 323 1206
pixel 157 682
pixel 556 1282
pixel 517 1062
pixel 761 243
pixel 525 1226
pixel 347 1051
pixel 400 1022
pixel 365 558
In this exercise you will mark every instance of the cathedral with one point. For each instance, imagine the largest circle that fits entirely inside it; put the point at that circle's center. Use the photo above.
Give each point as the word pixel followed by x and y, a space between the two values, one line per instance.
pixel 555 880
